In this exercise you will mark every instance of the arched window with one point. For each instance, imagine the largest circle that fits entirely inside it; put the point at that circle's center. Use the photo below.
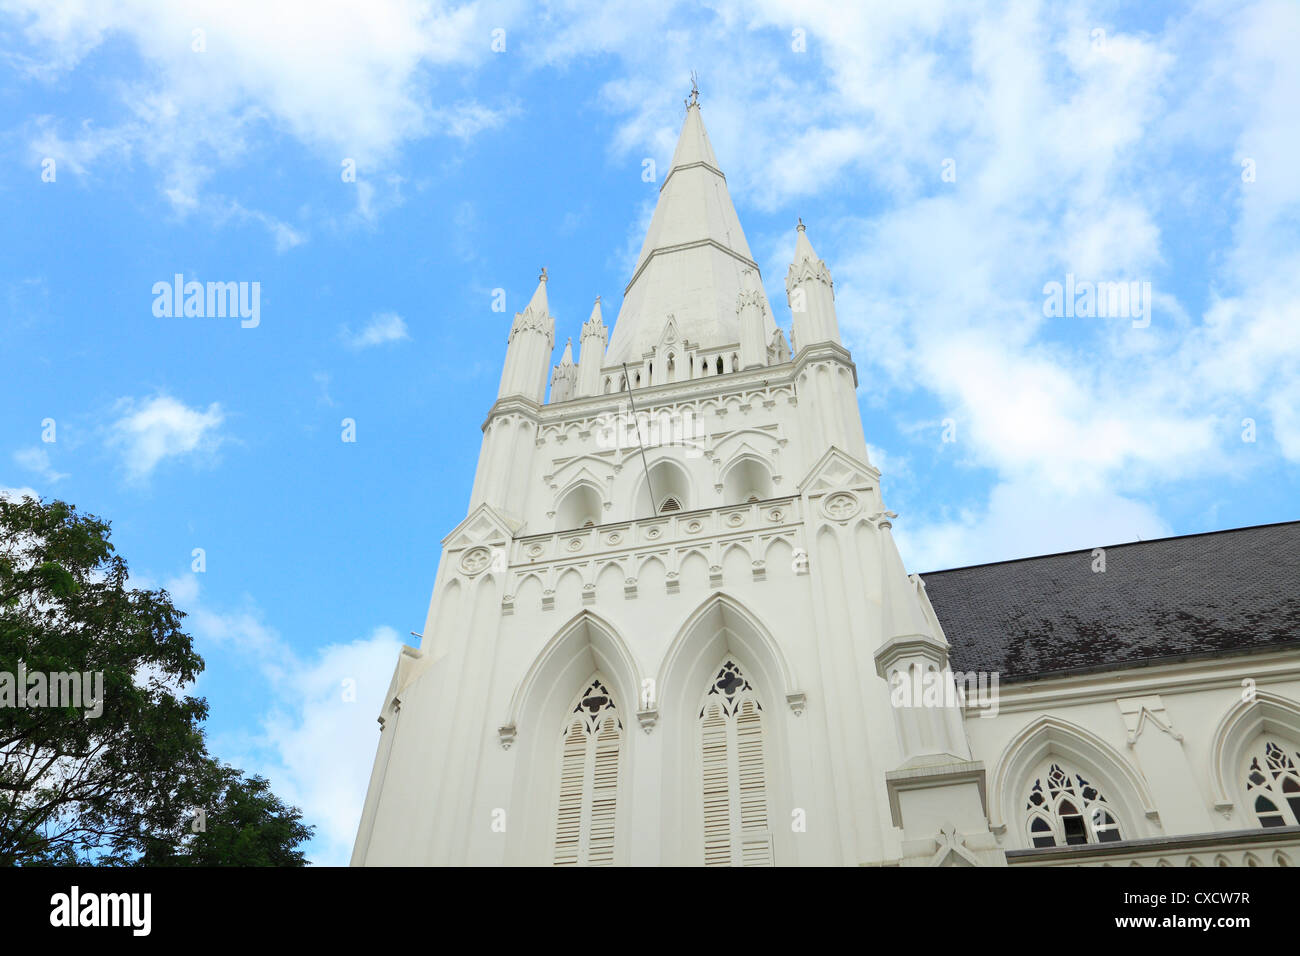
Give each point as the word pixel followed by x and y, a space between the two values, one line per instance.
pixel 735 362
pixel 746 480
pixel 607 384
pixel 734 772
pixel 1065 809
pixel 1273 782
pixel 670 504
pixel 589 764
pixel 719 364
pixel 579 508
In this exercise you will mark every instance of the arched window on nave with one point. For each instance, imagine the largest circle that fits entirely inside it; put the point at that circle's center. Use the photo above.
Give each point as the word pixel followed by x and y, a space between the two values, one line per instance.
pixel 1064 809
pixel 734 772
pixel 589 769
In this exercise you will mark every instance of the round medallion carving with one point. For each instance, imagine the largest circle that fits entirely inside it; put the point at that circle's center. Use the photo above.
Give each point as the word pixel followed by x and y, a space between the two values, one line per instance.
pixel 475 560
pixel 841 506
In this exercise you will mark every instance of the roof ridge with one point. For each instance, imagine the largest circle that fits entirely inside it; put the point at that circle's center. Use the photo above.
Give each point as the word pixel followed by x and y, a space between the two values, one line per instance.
pixel 1122 544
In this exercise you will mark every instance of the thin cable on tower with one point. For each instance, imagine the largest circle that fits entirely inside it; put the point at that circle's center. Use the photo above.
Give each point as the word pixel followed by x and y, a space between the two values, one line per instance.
pixel 627 377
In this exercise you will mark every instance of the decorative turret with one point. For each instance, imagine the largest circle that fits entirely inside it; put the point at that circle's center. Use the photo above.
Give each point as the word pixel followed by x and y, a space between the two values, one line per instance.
pixel 592 354
pixel 811 294
pixel 778 350
pixel 750 317
pixel 528 354
pixel 564 380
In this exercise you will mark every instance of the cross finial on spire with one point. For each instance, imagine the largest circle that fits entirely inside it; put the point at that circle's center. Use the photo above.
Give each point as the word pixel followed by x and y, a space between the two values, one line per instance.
pixel 542 277
pixel 801 229
pixel 695 91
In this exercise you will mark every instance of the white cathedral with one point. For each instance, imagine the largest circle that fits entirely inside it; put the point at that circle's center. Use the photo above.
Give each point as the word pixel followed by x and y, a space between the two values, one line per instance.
pixel 674 628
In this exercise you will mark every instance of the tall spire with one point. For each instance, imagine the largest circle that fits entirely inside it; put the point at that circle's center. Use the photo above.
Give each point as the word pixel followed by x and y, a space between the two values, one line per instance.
pixel 592 352
pixel 564 379
pixel 532 336
pixel 810 290
pixel 693 256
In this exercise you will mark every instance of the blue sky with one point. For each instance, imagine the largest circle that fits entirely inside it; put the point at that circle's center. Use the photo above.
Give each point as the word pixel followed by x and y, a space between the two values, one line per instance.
pixel 1151 146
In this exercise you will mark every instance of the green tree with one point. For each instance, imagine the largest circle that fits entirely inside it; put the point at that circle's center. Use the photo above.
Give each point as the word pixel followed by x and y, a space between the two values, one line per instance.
pixel 243 824
pixel 121 787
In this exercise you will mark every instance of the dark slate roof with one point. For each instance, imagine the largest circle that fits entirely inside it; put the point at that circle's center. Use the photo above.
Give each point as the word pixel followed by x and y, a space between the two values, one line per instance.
pixel 1201 595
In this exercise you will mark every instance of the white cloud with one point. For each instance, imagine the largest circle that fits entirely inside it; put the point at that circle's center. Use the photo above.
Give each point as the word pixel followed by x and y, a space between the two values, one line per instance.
pixel 323 736
pixel 382 328
pixel 1072 156
pixel 317 735
pixel 37 459
pixel 215 78
pixel 1024 519
pixel 18 494
pixel 149 431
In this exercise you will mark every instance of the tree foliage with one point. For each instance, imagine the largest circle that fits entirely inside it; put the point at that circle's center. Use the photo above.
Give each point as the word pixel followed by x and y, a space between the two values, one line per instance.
pixel 122 787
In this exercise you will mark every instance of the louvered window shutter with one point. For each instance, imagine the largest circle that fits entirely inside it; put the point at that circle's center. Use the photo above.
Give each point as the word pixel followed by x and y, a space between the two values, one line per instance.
pixel 734 773
pixel 589 766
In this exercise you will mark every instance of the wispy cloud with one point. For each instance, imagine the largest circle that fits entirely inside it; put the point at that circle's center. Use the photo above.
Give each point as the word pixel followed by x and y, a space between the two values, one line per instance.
pixel 383 327
pixel 150 431
pixel 37 459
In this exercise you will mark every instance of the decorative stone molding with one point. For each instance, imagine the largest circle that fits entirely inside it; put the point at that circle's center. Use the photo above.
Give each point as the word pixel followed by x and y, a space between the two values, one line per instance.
pixel 797 701
pixel 506 735
pixel 1140 711
pixel 647 719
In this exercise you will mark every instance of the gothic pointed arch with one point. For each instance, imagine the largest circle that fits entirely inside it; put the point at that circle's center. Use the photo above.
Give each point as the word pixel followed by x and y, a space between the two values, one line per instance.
pixel 1051 741
pixel 722 624
pixel 747 477
pixel 670 482
pixel 586 643
pixel 580 505
pixel 1240 727
pixel 536 727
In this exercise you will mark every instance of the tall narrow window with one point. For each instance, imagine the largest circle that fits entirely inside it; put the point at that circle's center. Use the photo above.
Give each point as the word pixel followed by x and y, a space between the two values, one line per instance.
pixel 1273 782
pixel 1065 809
pixel 589 763
pixel 734 773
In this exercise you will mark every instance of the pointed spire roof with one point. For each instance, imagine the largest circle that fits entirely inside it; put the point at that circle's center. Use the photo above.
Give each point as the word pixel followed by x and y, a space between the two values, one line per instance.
pixel 567 357
pixel 536 315
pixel 692 259
pixel 802 247
pixel 538 302
pixel 805 263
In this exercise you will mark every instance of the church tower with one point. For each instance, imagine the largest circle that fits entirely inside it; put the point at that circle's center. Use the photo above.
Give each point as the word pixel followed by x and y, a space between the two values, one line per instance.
pixel 673 627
